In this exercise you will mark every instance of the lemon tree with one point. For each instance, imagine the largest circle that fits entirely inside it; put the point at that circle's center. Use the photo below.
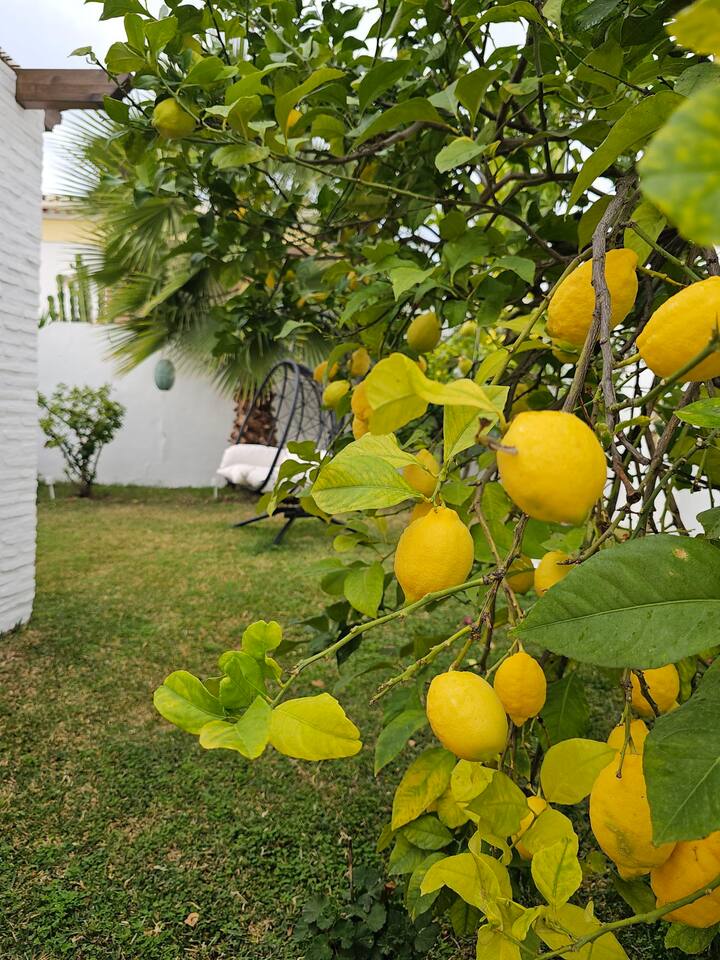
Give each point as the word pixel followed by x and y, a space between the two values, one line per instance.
pixel 488 227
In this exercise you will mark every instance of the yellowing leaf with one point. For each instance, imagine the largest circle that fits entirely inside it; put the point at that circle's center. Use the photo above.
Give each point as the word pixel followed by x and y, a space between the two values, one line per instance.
pixel 354 480
pixel 479 880
pixel 460 427
pixel 556 871
pixel 249 735
pixel 500 807
pixel 469 779
pixel 313 728
pixel 570 769
pixel 398 392
pixel 492 944
pixel 426 779
pixel 186 702
pixel 384 446
pixel 549 828
pixel 569 923
pixel 697 28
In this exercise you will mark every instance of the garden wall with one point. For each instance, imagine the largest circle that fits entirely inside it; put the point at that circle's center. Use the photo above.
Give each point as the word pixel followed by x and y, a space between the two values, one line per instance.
pixel 171 438
pixel 20 198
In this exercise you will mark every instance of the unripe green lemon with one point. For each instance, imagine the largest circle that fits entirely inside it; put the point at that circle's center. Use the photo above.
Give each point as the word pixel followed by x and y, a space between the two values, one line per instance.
pixel 466 715
pixel 172 121
pixel 423 334
pixel 434 552
pixel 334 392
pixel 558 470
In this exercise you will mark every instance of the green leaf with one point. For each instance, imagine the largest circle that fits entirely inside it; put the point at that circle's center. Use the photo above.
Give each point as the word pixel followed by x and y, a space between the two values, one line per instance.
pixel 566 713
pixel 363 588
pixel 690 940
pixel 379 79
pixel 261 637
pixel 285 103
pixel 510 12
pixel 500 807
pixel 208 71
pixel 457 153
pixel 556 871
pixel 121 59
pixel 118 8
pixel 523 267
pixel 697 28
pixel 710 519
pixel 160 32
pixel 570 769
pixel 651 222
pixel 589 221
pixel 249 735
pixel 696 77
pixel 629 132
pixel 472 247
pixel 244 680
pixel 415 903
pixel 186 702
pixel 702 413
pixel 636 893
pixel 679 172
pixel 471 89
pixel 552 9
pixel 609 611
pixel 427 833
pixel 567 924
pixel 313 728
pixel 460 428
pixel 426 779
pixel 354 481
pixel 405 278
pixel 395 735
pixel 225 158
pixel 409 111
pixel 385 446
pixel 681 760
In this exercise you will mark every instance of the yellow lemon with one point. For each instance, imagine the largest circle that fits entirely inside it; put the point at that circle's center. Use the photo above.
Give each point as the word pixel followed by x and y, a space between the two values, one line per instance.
pixel 620 818
pixel 423 334
pixel 359 362
pixel 433 553
pixel 638 735
pixel 537 806
pixel 551 570
pixel 468 329
pixel 663 685
pixel 423 475
pixel 334 392
pixel 422 363
pixel 466 715
pixel 558 471
pixel 521 575
pixel 570 311
pixel 692 864
pixel 172 121
pixel 319 371
pixel 520 684
pixel 464 365
pixel 421 509
pixel 359 402
pixel 292 119
pixel 680 329
pixel 359 427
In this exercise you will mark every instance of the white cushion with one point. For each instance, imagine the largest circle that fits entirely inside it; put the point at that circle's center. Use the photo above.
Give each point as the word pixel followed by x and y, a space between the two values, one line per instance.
pixel 247 464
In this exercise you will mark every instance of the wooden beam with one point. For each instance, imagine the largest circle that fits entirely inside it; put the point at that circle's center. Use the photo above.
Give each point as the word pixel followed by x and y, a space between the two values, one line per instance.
pixel 63 89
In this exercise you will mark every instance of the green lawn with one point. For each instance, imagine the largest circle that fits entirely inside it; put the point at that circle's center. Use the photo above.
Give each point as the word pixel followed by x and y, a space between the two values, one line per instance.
pixel 116 826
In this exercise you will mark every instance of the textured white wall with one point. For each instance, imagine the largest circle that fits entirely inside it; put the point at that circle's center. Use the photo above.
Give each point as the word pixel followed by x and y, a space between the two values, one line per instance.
pixel 20 177
pixel 172 438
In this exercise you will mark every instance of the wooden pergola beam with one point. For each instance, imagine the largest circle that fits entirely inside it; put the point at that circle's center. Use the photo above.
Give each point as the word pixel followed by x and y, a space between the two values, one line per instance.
pixel 56 90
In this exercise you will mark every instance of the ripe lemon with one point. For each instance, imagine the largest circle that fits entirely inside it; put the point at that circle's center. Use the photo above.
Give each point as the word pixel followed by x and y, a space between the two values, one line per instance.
pixel 466 715
pixel 292 119
pixel 359 402
pixel 421 509
pixel 433 552
pixel 692 864
pixel 520 684
pixel 537 806
pixel 423 334
pixel 320 369
pixel 570 311
pixel 359 427
pixel 359 362
pixel 664 687
pixel 422 363
pixel 423 475
pixel 551 570
pixel 558 472
pixel 171 121
pixel 620 818
pixel 521 575
pixel 638 735
pixel 464 365
pixel 680 329
pixel 334 392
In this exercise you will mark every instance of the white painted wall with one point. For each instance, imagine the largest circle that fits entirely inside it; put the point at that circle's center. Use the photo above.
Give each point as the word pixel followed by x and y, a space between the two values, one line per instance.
pixel 20 197
pixel 172 438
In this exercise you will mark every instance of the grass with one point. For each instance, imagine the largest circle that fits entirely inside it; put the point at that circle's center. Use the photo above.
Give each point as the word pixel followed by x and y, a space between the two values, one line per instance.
pixel 117 828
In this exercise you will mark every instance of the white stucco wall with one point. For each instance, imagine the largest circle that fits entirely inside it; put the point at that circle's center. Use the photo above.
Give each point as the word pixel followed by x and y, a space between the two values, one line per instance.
pixel 20 178
pixel 172 438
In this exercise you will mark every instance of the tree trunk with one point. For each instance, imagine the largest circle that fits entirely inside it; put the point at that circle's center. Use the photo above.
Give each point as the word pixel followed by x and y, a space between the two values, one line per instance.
pixel 260 428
